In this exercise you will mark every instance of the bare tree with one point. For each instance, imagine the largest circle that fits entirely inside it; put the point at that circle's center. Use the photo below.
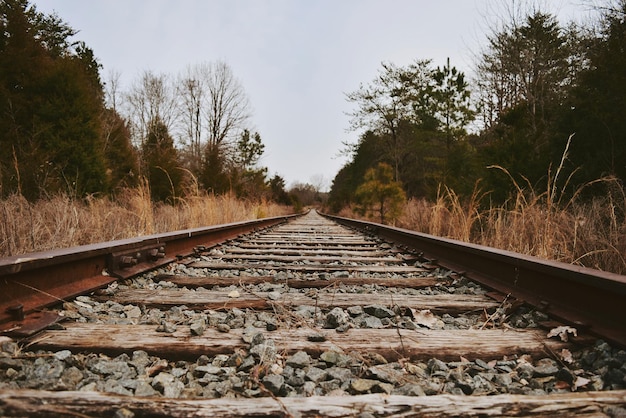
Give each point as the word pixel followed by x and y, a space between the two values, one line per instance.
pixel 151 98
pixel 213 109
pixel 111 89
pixel 228 107
pixel 191 93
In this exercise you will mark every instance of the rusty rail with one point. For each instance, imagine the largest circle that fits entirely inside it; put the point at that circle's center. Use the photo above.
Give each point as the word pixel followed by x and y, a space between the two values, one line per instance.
pixel 590 300
pixel 33 281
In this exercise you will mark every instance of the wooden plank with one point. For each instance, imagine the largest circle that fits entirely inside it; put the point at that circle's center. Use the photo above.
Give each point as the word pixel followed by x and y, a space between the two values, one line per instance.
pixel 447 345
pixel 297 246
pixel 305 267
pixel 260 300
pixel 192 282
pixel 29 402
pixel 320 241
pixel 310 251
pixel 321 259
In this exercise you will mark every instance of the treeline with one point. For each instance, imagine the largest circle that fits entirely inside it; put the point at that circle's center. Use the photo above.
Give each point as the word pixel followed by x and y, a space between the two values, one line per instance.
pixel 65 130
pixel 545 110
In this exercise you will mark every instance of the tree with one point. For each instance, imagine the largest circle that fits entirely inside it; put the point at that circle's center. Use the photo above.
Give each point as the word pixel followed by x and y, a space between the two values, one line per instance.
pixel 380 194
pixel 151 98
pixel 249 149
pixel 50 105
pixel 213 110
pixel 524 78
pixel 596 107
pixel 452 102
pixel 387 101
pixel 161 163
pixel 277 188
pixel 122 160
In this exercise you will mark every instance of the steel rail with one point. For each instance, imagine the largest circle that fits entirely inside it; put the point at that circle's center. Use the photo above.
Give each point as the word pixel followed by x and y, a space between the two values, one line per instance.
pixel 590 300
pixel 33 281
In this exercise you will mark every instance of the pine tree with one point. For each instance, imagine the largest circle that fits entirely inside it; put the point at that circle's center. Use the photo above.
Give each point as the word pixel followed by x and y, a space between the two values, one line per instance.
pixel 380 194
pixel 161 163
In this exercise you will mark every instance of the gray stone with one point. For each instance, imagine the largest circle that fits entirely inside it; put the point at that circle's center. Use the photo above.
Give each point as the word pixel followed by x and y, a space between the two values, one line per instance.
pixel 436 365
pixel 197 327
pixel 223 328
pixel 329 385
pixel 274 295
pixel 257 339
pixel 274 383
pixel 132 311
pixel 63 355
pixel 143 388
pixel 168 385
pixel 369 321
pixel 166 326
pixel 363 385
pixel 410 389
pixel 247 364
pixel 299 360
pixel 316 374
pixel 355 310
pixel 379 311
pixel 71 377
pixel 335 318
pixel 316 337
pixel 200 371
pixel 525 370
pixel 333 357
pixel 113 386
pixel 271 324
pixel 546 367
pixel 265 352
pixel 117 369
pixel 160 381
pixel 503 379
pixel 483 364
pixel 124 413
pixel 339 373
pixel 389 373
pixel 308 388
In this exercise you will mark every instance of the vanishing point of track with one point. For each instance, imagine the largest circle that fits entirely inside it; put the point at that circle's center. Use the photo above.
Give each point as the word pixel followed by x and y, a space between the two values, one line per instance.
pixel 307 316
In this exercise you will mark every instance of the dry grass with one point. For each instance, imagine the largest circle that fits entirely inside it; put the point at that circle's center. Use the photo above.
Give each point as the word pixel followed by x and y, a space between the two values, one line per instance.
pixel 61 222
pixel 592 234
pixel 586 233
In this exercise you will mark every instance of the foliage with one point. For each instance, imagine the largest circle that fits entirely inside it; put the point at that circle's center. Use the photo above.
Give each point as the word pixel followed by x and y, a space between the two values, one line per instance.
pixel 161 163
pixel 597 104
pixel 416 118
pixel 380 194
pixel 50 104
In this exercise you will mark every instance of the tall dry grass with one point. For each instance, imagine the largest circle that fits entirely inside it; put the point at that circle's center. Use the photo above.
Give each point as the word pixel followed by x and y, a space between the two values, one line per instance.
pixel 61 222
pixel 587 233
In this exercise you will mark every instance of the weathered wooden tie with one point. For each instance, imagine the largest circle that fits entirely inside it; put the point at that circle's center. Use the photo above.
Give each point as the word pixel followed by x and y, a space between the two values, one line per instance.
pixel 393 344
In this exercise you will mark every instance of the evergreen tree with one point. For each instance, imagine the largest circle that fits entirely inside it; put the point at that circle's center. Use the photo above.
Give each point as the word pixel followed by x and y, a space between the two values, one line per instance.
pixel 161 163
pixel 122 161
pixel 596 109
pixel 50 104
pixel 380 194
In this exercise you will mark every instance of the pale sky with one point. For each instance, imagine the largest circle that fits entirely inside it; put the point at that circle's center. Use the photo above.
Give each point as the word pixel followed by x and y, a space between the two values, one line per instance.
pixel 295 59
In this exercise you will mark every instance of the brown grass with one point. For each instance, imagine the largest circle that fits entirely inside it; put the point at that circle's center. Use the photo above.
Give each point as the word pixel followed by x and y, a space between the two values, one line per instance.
pixel 61 222
pixel 587 233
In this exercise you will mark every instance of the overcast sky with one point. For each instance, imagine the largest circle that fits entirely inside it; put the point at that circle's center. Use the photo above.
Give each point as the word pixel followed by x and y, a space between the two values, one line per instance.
pixel 295 59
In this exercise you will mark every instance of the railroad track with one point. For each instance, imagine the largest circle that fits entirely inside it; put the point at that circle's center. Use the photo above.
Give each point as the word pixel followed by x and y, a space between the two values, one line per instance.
pixel 307 316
